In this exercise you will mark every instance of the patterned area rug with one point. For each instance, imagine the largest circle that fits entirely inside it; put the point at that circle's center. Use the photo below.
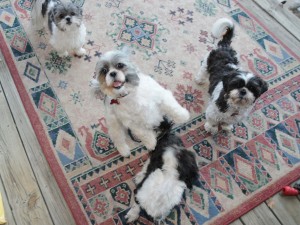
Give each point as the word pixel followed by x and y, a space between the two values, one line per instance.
pixel 168 39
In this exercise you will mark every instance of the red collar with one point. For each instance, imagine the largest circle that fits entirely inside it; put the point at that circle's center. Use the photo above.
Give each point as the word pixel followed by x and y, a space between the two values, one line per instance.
pixel 114 101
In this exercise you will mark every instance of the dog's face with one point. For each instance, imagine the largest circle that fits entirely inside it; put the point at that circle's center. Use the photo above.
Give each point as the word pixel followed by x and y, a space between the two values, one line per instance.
pixel 67 16
pixel 243 89
pixel 116 75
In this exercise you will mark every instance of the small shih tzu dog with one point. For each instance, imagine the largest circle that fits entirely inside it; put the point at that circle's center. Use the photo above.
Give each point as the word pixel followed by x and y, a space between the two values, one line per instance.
pixel 134 101
pixel 65 25
pixel 232 90
pixel 169 170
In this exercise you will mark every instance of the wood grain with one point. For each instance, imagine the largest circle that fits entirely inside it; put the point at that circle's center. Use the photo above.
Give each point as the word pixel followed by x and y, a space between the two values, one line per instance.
pixel 56 204
pixel 261 215
pixel 16 173
pixel 272 25
pixel 282 15
pixel 7 209
pixel 286 208
pixel 51 193
pixel 237 222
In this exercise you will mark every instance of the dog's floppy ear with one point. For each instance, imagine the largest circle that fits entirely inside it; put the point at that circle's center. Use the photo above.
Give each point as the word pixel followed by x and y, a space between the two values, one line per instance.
pixel 264 86
pixel 126 50
pixel 226 79
pixel 79 10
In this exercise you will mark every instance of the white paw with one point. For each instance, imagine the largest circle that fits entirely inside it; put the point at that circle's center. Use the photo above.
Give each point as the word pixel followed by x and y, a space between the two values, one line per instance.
pixel 150 143
pixel 211 129
pixel 200 81
pixel 227 127
pixel 138 178
pixel 132 215
pixel 182 116
pixel 63 54
pixel 80 52
pixel 124 150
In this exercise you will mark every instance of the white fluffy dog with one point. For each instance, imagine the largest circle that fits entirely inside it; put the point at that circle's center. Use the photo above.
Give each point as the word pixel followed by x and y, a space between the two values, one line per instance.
pixel 134 101
pixel 65 25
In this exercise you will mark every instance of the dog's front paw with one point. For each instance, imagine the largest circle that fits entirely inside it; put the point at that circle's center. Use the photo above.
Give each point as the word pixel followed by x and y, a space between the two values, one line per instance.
pixel 211 129
pixel 63 54
pixel 80 52
pixel 150 143
pixel 227 127
pixel 182 116
pixel 124 150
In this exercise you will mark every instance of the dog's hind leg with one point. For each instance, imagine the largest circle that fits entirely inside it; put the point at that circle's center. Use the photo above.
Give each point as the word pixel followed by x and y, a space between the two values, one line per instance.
pixel 147 137
pixel 117 133
pixel 202 75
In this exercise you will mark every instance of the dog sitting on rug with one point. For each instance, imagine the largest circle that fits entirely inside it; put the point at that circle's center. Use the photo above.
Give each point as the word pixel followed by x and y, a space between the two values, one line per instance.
pixel 169 170
pixel 134 101
pixel 65 24
pixel 232 90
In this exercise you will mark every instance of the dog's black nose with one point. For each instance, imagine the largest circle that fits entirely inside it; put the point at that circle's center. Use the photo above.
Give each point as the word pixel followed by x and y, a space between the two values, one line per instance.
pixel 68 19
pixel 243 92
pixel 113 74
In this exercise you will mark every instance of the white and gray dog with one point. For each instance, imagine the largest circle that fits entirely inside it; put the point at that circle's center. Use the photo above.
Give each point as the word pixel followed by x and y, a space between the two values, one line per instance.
pixel 169 170
pixel 64 21
pixel 232 90
pixel 134 101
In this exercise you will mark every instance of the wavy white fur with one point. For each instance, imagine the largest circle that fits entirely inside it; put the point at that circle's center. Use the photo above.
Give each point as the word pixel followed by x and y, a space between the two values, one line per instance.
pixel 66 40
pixel 143 107
pixel 220 27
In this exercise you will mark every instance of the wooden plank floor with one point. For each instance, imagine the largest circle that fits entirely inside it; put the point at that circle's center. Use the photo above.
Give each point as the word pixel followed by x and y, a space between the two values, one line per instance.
pixel 30 193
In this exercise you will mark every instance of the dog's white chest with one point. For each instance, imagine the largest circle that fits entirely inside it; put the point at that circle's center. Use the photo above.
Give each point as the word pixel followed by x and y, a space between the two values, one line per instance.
pixel 68 40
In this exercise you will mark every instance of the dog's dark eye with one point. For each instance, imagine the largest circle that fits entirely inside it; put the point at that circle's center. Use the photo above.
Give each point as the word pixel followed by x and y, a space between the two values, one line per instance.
pixel 72 14
pixel 120 65
pixel 104 70
pixel 61 16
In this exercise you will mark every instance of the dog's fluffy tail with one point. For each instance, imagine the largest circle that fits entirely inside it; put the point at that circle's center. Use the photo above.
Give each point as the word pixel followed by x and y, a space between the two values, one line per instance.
pixel 223 28
pixel 164 128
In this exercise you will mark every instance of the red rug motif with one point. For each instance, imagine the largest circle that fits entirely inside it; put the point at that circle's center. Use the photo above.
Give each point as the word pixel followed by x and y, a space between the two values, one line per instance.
pixel 168 40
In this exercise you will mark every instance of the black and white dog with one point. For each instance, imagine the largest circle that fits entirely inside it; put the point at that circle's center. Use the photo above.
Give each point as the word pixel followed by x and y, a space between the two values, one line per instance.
pixel 232 90
pixel 169 170
pixel 64 21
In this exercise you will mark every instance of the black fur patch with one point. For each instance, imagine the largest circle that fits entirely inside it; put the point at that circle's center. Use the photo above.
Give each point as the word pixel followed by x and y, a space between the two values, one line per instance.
pixel 45 7
pixel 133 79
pixel 221 102
pixel 257 86
pixel 50 20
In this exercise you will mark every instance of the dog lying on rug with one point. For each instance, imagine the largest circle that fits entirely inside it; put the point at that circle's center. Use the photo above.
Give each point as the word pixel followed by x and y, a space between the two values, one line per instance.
pixel 169 170
pixel 65 25
pixel 134 101
pixel 232 90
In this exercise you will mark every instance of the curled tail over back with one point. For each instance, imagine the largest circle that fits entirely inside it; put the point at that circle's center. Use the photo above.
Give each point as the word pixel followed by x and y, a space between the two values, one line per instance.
pixel 223 28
